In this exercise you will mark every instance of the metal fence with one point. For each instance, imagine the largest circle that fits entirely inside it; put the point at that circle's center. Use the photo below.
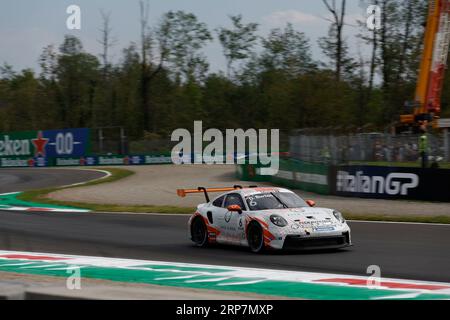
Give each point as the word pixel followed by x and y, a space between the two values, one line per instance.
pixel 366 147
pixel 113 140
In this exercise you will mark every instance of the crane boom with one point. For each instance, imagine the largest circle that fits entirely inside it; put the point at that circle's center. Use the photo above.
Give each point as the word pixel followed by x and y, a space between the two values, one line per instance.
pixel 439 62
pixel 427 104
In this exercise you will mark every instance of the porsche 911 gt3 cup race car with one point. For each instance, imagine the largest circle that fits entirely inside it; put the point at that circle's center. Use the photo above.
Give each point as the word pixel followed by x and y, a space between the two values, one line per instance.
pixel 265 218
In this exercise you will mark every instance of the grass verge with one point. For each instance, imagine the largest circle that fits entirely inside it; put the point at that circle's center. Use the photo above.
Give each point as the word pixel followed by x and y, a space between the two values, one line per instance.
pixel 41 196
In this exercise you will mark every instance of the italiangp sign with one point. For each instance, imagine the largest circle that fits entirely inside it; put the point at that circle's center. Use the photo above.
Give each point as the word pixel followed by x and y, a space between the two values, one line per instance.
pixel 391 182
pixel 35 148
pixel 358 181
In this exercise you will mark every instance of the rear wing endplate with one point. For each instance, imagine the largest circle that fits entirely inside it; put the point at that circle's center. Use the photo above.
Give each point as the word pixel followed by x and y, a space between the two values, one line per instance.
pixel 184 192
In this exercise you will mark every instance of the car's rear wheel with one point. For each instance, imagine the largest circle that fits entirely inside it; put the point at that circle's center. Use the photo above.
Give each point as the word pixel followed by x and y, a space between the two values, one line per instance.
pixel 199 233
pixel 255 237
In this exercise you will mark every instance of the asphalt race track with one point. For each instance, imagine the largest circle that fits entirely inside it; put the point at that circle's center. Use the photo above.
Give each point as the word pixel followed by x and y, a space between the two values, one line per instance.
pixel 411 251
pixel 14 180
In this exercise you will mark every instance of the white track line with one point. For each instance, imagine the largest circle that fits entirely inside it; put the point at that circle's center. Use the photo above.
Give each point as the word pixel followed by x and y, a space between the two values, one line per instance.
pixel 400 222
pixel 107 175
pixel 17 208
pixel 40 266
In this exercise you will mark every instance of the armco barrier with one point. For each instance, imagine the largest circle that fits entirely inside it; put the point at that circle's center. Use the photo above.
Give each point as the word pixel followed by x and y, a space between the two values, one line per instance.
pixel 390 182
pixel 292 173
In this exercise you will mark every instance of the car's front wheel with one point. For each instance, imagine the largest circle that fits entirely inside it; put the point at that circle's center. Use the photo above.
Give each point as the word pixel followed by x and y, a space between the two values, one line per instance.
pixel 255 237
pixel 199 233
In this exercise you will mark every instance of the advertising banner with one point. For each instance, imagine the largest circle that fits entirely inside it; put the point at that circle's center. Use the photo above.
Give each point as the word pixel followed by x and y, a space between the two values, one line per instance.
pixel 112 160
pixel 391 182
pixel 303 175
pixel 66 143
pixel 45 143
pixel 292 173
pixel 18 144
pixel 10 162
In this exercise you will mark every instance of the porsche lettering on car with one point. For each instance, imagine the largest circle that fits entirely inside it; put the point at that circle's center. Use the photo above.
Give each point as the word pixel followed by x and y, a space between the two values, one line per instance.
pixel 265 218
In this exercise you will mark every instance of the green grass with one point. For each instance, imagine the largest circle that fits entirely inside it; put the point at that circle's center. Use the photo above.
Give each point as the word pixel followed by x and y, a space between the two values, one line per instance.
pixel 123 208
pixel 40 195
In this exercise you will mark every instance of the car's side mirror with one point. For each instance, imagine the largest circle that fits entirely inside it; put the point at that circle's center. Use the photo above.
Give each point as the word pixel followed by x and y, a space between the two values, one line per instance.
pixel 234 208
pixel 311 203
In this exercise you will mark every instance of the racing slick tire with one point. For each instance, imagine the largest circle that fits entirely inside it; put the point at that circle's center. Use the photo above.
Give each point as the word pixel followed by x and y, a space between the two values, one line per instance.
pixel 255 237
pixel 199 233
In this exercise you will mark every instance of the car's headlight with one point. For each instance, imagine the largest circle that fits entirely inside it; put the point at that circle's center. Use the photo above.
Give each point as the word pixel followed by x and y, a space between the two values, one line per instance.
pixel 278 220
pixel 338 216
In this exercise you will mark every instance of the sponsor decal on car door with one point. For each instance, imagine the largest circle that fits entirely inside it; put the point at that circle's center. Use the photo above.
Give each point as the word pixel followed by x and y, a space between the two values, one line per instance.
pixel 219 220
pixel 230 221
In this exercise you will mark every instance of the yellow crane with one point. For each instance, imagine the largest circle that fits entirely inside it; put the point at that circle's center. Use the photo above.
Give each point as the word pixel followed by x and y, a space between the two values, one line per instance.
pixel 427 104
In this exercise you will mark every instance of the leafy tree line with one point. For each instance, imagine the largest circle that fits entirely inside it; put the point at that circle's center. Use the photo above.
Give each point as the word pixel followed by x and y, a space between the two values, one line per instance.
pixel 163 82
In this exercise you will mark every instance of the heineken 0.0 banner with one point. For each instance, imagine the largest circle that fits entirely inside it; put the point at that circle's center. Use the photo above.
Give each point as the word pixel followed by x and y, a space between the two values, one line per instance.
pixel 17 146
pixel 67 147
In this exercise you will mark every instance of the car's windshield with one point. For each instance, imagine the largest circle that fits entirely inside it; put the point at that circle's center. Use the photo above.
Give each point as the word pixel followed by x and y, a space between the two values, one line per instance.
pixel 274 200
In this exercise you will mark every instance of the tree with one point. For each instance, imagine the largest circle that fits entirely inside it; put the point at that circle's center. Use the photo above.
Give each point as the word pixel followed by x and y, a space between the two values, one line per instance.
pixel 217 95
pixel 7 71
pixel 105 40
pixel 150 66
pixel 238 42
pixel 287 50
pixel 370 37
pixel 78 75
pixel 146 73
pixel 49 92
pixel 22 100
pixel 162 82
pixel 104 104
pixel 127 85
pixel 181 38
pixel 334 46
pixel 48 61
pixel 400 43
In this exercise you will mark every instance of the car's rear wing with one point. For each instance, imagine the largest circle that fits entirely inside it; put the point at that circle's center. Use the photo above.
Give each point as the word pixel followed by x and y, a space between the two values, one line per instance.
pixel 184 192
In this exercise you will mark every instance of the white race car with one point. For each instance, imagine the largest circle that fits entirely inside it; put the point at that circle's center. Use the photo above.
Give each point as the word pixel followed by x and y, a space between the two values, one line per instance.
pixel 265 218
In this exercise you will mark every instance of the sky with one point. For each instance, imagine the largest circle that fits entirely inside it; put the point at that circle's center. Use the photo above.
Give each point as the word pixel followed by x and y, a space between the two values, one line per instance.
pixel 26 26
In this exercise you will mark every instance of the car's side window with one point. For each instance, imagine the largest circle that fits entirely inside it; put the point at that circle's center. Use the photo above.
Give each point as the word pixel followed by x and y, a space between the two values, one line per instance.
pixel 218 202
pixel 234 198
